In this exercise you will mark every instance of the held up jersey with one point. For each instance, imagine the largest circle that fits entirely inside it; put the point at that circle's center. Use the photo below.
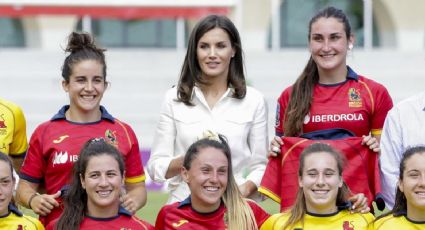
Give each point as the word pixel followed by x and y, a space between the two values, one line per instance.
pixel 361 172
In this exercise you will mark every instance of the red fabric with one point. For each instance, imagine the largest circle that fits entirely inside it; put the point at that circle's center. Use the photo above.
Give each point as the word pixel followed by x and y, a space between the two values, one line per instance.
pixel 361 173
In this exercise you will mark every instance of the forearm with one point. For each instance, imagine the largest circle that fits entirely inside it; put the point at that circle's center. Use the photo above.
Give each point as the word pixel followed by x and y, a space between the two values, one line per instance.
pixel 25 191
pixel 137 192
pixel 174 167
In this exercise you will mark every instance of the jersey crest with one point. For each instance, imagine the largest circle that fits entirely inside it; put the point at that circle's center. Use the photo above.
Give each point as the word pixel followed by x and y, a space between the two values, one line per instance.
pixel 354 98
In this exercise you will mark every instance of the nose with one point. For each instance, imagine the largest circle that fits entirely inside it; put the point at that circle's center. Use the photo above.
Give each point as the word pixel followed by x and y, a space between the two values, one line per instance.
pixel 214 177
pixel 212 53
pixel 89 86
pixel 103 181
pixel 326 45
pixel 320 180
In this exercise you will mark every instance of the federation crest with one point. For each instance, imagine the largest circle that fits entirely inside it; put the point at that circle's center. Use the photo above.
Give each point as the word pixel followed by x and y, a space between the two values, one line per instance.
pixel 354 98
pixel 3 126
pixel 111 137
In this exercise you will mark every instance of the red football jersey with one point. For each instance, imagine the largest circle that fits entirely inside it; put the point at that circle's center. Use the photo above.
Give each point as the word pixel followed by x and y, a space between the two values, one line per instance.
pixel 359 105
pixel 361 174
pixel 180 215
pixel 56 144
pixel 124 220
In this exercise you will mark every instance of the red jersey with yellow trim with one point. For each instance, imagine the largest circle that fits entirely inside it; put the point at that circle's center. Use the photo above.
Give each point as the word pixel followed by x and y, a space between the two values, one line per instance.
pixel 361 173
pixel 180 215
pixel 358 104
pixel 56 144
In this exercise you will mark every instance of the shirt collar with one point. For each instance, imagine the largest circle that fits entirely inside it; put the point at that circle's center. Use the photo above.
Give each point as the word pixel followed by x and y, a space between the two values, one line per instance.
pixel 197 91
pixel 188 201
pixel 351 74
pixel 61 114
pixel 121 211
pixel 14 209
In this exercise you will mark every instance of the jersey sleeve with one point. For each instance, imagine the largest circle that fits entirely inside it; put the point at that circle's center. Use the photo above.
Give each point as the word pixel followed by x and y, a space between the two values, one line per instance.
pixel 19 144
pixel 270 184
pixel 260 215
pixel 282 103
pixel 133 161
pixel 33 168
pixel 383 104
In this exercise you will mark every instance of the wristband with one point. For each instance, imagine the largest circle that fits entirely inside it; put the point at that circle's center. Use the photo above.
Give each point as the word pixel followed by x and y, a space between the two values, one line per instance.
pixel 31 198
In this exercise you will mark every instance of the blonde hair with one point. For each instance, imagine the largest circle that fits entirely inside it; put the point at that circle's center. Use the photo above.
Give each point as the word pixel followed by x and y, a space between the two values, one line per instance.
pixel 239 214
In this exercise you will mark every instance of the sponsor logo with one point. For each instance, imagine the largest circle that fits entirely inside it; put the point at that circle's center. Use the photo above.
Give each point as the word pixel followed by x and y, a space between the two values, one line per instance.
pixel 111 137
pixel 60 139
pixel 307 118
pixel 336 117
pixel 180 223
pixel 354 99
pixel 63 157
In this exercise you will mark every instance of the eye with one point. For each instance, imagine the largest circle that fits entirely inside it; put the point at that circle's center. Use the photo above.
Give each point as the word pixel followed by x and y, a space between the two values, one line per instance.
pixel 221 45
pixel 94 175
pixel 203 46
pixel 222 171
pixel 111 174
pixel 317 38
pixel 335 37
pixel 5 182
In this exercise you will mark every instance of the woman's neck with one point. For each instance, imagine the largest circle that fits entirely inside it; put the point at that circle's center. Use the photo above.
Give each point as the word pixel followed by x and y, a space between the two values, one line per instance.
pixel 332 76
pixel 75 115
pixel 102 212
pixel 213 91
pixel 415 214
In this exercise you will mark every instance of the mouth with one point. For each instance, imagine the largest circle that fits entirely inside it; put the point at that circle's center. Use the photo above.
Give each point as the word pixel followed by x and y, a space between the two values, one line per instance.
pixel 327 55
pixel 212 64
pixel 420 193
pixel 320 191
pixel 211 188
pixel 88 97
pixel 104 193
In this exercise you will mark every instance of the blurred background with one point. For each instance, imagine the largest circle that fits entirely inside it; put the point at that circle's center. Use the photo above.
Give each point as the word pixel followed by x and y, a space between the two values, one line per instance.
pixel 146 41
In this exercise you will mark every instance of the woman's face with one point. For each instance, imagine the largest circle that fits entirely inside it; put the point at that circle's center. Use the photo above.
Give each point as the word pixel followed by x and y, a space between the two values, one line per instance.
pixel 214 52
pixel 329 44
pixel 102 182
pixel 207 179
pixel 7 183
pixel 413 185
pixel 320 182
pixel 86 86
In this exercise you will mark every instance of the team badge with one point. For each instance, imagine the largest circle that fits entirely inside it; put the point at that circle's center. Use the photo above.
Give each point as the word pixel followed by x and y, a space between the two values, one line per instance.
pixel 354 98
pixel 111 137
pixel 3 127
pixel 346 225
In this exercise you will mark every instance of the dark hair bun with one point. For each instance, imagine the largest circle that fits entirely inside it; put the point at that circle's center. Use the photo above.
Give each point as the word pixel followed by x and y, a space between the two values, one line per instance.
pixel 79 41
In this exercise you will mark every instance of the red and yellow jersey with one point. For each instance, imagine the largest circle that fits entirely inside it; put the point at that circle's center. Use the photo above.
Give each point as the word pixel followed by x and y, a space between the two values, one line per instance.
pixel 56 144
pixel 361 172
pixel 397 222
pixel 358 104
pixel 13 134
pixel 180 215
pixel 342 220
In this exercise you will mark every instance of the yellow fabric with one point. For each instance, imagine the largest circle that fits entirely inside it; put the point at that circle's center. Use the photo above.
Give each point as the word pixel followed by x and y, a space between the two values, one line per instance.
pixel 399 223
pixel 13 136
pixel 12 221
pixel 343 220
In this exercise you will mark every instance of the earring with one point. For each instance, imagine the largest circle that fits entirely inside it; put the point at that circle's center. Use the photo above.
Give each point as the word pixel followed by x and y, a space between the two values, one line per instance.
pixel 350 46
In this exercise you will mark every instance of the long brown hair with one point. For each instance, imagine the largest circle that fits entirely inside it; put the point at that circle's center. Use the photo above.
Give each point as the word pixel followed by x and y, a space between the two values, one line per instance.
pixel 75 199
pixel 191 71
pixel 302 90
pixel 239 213
pixel 299 209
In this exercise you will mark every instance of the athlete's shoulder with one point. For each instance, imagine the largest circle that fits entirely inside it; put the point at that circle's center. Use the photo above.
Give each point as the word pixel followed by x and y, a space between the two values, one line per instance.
pixel 10 105
pixel 385 222
pixel 373 85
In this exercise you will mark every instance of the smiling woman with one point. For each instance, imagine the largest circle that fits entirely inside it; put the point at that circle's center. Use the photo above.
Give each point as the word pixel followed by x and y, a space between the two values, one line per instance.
pixel 55 145
pixel 93 198
pixel 215 201
pixel 322 198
